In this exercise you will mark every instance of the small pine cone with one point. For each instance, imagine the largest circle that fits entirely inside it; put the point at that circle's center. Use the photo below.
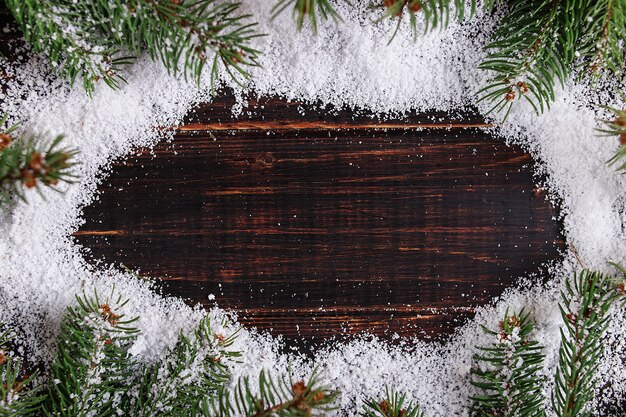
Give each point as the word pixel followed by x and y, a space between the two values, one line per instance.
pixel 319 396
pixel 523 87
pixel 28 178
pixel 36 162
pixel 108 315
pixel 619 121
pixel 514 321
pixel 105 309
pixel 298 388
pixel 5 140
pixel 391 3
pixel 113 319
pixel 510 96
pixel 622 139
pixel 415 6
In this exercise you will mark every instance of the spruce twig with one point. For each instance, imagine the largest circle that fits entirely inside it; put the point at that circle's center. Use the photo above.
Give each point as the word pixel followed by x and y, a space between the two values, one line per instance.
pixel 436 13
pixel 94 375
pixel 170 385
pixel 509 381
pixel 31 162
pixel 393 405
pixel 540 42
pixel 94 39
pixel 530 52
pixel 18 396
pixel 92 367
pixel 314 10
pixel 601 50
pixel 584 307
pixel 617 127
pixel 282 398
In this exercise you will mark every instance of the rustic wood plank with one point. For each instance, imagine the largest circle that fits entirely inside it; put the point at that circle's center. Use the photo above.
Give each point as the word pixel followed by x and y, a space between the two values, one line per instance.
pixel 275 113
pixel 312 233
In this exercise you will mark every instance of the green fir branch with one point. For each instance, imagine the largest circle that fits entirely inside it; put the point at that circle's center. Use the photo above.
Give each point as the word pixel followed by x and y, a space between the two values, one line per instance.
pixel 32 162
pixel 67 34
pixel 537 45
pixel 94 39
pixel 436 13
pixel 601 49
pixel 274 398
pixel 531 50
pixel 509 376
pixel 617 127
pixel 393 405
pixel 94 375
pixel 584 308
pixel 314 10
pixel 170 386
pixel 18 395
pixel 540 43
pixel 92 367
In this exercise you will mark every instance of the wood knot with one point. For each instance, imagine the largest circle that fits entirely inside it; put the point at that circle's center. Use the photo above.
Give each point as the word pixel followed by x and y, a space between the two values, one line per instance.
pixel 266 160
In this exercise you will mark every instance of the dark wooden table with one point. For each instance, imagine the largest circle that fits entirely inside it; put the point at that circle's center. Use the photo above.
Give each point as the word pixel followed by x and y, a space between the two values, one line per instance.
pixel 314 223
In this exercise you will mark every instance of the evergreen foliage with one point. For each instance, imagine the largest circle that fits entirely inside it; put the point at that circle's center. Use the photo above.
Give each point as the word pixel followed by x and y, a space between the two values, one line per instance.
pixel 530 52
pixel 585 304
pixel 541 42
pixel 92 366
pixel 436 14
pixel 93 373
pixel 617 127
pixel 18 397
pixel 30 162
pixel 94 39
pixel 600 48
pixel 393 405
pixel 307 8
pixel 510 377
pixel 275 398
pixel 538 45
pixel 170 387
pixel 511 383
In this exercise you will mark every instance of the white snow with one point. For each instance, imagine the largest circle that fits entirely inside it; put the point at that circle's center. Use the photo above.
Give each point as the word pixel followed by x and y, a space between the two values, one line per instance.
pixel 348 64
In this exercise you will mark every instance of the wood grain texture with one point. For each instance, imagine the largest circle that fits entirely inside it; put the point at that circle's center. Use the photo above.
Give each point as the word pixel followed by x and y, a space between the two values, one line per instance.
pixel 311 232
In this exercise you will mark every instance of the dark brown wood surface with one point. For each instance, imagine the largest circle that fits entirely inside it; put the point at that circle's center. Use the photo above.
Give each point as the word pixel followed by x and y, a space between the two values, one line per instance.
pixel 312 223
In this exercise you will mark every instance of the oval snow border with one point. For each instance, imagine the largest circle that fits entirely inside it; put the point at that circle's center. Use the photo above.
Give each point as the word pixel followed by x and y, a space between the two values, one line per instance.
pixel 346 65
